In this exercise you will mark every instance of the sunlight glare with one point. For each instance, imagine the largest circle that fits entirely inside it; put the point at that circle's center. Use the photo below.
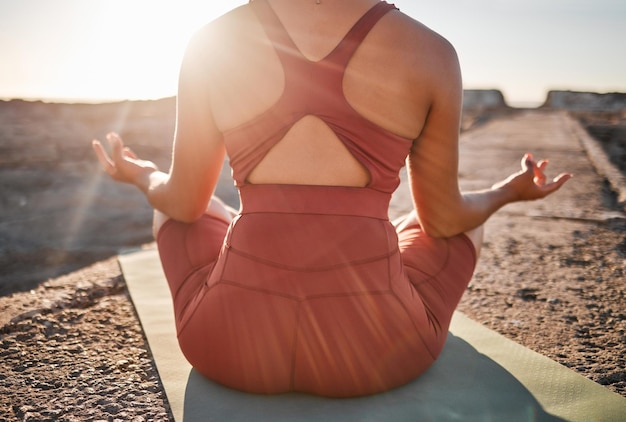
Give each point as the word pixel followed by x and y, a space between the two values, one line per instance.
pixel 140 44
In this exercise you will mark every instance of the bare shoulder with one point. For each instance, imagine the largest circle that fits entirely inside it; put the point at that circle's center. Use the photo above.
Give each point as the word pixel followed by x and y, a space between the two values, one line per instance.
pixel 430 61
pixel 226 31
pixel 419 41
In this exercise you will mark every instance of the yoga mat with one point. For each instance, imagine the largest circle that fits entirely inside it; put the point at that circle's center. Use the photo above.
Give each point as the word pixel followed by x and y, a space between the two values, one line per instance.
pixel 480 376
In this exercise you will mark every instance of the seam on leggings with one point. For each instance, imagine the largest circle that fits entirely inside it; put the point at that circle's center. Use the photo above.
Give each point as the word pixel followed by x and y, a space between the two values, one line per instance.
pixel 433 280
pixel 347 294
pixel 463 236
pixel 203 285
pixel 314 214
pixel 417 331
pixel 413 291
pixel 430 280
pixel 443 266
pixel 472 249
pixel 194 270
pixel 190 317
pixel 185 280
pixel 309 269
pixel 299 298
pixel 167 223
pixel 388 259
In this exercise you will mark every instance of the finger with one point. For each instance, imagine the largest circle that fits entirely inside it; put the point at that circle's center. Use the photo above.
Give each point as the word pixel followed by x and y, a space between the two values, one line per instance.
pixel 540 176
pixel 527 162
pixel 542 164
pixel 103 157
pixel 117 147
pixel 539 171
pixel 130 153
pixel 556 183
pixel 562 178
pixel 528 165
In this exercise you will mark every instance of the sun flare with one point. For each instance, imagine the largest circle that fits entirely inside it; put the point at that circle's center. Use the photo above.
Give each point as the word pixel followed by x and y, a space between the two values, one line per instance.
pixel 139 44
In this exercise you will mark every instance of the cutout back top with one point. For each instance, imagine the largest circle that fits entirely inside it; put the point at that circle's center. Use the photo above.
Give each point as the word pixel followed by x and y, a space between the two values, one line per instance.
pixel 315 88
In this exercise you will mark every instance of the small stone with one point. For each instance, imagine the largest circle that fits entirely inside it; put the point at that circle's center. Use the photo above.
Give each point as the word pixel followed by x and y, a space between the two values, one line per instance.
pixel 112 408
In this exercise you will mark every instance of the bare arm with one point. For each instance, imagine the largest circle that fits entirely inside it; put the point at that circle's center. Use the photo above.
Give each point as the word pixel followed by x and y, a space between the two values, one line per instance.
pixel 442 208
pixel 198 151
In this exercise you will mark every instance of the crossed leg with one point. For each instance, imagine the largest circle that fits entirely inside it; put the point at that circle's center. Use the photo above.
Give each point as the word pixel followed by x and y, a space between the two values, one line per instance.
pixel 216 208
pixel 475 235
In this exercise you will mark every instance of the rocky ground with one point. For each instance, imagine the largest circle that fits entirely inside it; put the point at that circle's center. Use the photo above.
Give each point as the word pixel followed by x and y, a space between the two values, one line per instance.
pixel 610 129
pixel 71 347
pixel 72 350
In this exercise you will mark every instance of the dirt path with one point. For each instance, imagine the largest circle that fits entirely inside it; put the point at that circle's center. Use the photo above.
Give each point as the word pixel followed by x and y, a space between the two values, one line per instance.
pixel 552 275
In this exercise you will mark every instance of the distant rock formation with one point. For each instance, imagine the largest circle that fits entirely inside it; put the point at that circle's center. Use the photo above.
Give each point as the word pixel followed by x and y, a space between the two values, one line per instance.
pixel 586 101
pixel 483 99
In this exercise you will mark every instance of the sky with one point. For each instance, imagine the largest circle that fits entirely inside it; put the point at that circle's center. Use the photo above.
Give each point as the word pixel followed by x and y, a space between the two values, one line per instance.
pixel 104 50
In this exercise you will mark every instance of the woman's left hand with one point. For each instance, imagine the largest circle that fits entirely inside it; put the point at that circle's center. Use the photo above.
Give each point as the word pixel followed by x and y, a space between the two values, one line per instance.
pixel 123 165
pixel 530 182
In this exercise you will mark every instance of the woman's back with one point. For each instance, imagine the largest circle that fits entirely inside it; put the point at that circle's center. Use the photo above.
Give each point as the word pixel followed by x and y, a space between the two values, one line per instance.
pixel 382 82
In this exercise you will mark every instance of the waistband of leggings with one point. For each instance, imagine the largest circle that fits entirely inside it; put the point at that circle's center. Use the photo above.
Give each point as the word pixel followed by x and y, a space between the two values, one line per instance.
pixel 314 199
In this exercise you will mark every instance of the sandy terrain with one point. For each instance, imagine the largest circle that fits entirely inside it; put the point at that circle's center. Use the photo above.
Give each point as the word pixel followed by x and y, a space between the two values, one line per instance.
pixel 71 347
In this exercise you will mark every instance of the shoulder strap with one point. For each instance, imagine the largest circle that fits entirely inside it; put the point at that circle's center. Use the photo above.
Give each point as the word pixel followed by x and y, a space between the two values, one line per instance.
pixel 274 28
pixel 342 53
pixel 346 48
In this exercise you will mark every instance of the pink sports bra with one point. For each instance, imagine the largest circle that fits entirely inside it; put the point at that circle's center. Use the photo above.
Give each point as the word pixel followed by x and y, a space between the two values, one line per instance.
pixel 315 88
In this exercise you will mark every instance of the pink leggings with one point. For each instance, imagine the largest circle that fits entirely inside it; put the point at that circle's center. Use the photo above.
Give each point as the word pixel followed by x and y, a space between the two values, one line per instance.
pixel 267 313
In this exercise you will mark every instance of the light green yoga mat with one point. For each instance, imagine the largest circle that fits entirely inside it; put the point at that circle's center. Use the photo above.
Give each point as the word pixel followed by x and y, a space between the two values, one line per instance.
pixel 480 376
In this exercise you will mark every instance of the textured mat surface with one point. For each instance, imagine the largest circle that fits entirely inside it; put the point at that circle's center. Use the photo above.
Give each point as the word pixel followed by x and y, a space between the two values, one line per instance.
pixel 480 376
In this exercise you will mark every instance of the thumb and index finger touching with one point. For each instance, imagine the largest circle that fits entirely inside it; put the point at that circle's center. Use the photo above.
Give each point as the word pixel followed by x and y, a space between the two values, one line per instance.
pixel 539 178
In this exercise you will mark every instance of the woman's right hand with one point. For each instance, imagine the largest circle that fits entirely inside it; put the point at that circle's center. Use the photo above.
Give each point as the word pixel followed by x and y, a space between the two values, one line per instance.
pixel 123 165
pixel 531 183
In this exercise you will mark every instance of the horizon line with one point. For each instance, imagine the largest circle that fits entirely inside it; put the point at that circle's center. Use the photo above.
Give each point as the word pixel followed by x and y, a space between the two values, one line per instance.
pixel 113 100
